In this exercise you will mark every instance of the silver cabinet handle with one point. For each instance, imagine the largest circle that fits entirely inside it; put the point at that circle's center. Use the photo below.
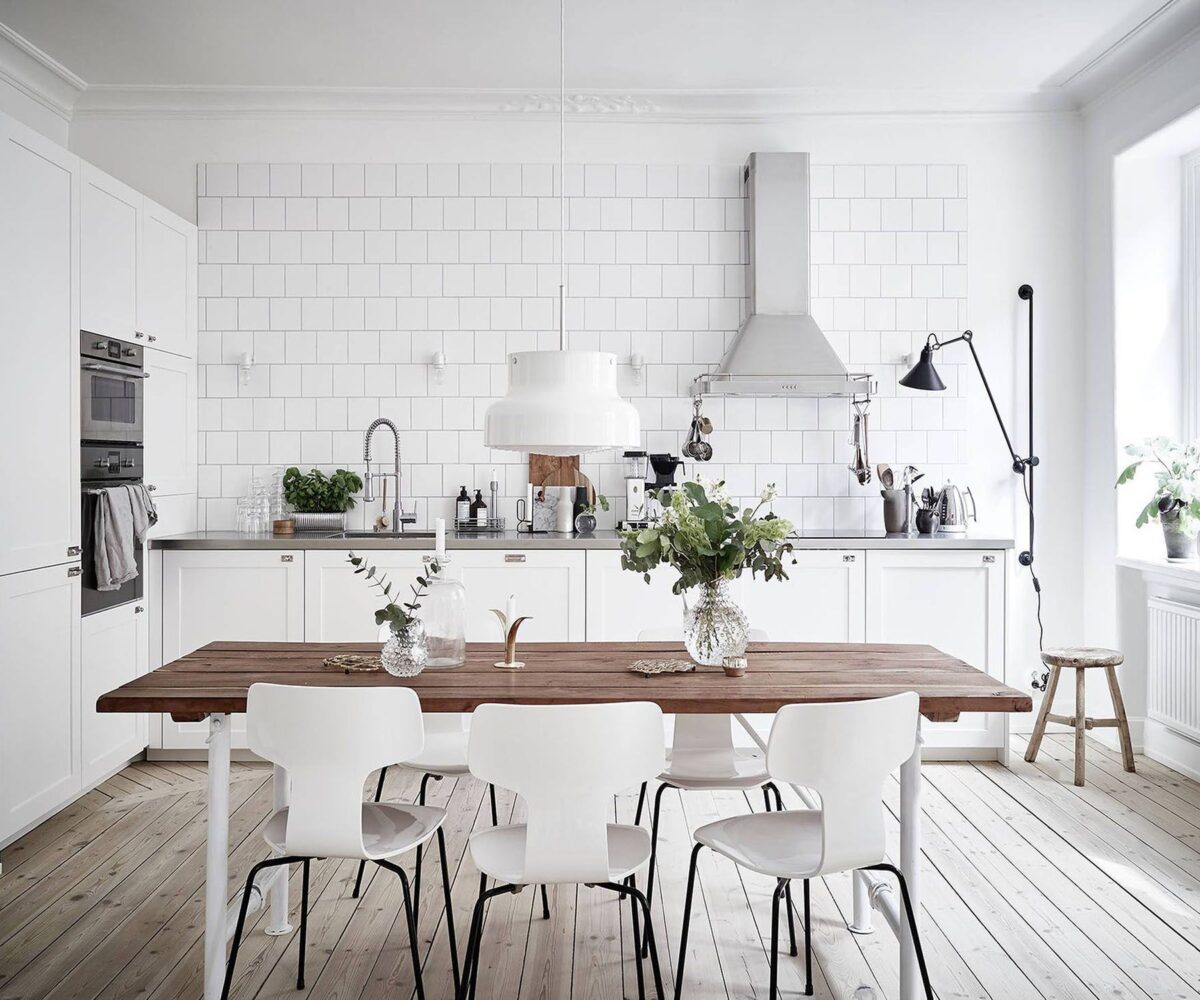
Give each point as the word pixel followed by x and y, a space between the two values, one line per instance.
pixel 73 550
pixel 151 487
pixel 287 558
pixel 138 334
pixel 514 557
pixel 74 570
pixel 989 558
pixel 848 557
pixel 138 610
pixel 152 338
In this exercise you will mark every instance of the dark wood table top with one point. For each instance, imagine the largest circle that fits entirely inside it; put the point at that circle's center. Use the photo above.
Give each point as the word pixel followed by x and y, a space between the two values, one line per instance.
pixel 217 677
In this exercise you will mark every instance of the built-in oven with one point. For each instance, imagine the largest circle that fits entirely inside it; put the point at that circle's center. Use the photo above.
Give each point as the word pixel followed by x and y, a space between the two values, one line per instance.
pixel 111 389
pixel 103 466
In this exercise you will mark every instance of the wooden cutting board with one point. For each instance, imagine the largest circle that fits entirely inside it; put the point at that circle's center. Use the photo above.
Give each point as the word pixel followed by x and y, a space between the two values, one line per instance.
pixel 554 470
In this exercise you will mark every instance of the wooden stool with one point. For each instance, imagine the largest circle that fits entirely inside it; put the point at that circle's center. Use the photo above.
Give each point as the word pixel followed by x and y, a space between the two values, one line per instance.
pixel 1082 658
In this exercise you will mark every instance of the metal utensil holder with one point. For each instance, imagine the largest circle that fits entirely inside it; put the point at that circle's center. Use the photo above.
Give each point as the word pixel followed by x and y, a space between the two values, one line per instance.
pixel 471 524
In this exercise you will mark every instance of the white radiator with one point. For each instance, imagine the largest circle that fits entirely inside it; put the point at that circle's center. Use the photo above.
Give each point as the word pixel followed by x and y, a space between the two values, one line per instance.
pixel 1173 634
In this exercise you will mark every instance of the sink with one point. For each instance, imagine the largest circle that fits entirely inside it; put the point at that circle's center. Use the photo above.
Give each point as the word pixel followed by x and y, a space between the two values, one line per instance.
pixel 382 534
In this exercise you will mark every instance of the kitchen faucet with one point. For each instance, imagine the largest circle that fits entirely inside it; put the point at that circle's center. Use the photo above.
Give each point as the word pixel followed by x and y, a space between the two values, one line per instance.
pixel 399 518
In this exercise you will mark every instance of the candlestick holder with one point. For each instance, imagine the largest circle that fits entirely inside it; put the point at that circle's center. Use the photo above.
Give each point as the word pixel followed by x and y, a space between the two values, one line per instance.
pixel 509 632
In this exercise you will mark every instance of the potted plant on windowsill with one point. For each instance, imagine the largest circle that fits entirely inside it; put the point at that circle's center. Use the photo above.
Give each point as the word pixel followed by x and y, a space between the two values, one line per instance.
pixel 320 502
pixel 709 541
pixel 1176 501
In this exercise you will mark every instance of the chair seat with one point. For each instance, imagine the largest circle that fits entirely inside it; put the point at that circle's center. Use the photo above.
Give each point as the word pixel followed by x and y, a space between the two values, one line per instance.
pixel 717 768
pixel 1082 656
pixel 387 829
pixel 443 754
pixel 780 844
pixel 500 852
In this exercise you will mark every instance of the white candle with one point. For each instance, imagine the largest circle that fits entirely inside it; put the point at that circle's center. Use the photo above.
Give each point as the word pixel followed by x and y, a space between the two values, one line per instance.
pixel 510 611
pixel 439 528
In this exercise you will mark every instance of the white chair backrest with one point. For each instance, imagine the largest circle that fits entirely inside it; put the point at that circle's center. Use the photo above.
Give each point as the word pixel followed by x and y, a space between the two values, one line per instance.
pixel 698 732
pixel 445 722
pixel 845 751
pixel 567 762
pixel 329 739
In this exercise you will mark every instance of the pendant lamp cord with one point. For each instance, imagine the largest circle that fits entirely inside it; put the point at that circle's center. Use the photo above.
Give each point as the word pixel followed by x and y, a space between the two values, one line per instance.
pixel 562 174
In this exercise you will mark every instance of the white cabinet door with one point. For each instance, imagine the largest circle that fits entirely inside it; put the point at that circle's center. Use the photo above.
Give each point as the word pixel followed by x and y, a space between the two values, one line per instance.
pixel 176 515
pixel 823 599
pixel 549 585
pixel 339 606
pixel 39 328
pixel 953 601
pixel 114 653
pixel 170 444
pixel 167 281
pixel 40 764
pixel 209 596
pixel 620 604
pixel 109 223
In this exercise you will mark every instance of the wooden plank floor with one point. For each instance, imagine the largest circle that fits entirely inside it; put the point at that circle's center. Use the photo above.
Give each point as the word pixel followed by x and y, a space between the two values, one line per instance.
pixel 1033 888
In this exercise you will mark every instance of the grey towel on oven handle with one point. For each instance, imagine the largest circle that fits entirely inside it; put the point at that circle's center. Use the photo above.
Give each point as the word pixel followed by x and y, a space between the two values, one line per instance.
pixel 124 514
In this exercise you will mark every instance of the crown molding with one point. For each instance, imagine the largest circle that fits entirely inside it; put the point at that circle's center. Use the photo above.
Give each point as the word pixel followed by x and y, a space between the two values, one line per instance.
pixel 674 106
pixel 37 75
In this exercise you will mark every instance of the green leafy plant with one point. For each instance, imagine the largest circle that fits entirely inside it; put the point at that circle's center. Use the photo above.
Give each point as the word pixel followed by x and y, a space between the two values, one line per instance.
pixel 1177 480
pixel 398 616
pixel 590 508
pixel 707 539
pixel 316 493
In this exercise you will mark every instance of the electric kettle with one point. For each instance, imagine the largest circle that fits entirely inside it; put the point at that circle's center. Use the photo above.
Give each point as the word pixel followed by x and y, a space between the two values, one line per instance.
pixel 952 508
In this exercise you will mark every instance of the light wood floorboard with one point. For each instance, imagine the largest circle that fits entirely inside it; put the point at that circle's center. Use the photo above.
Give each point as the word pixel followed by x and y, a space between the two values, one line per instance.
pixel 1032 888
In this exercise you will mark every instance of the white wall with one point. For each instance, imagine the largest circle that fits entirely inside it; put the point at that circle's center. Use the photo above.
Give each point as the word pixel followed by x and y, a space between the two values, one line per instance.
pixel 1114 598
pixel 1025 225
pixel 18 104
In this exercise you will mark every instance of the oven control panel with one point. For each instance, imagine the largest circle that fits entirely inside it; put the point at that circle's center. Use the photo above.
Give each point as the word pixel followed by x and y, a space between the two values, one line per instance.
pixel 101 348
pixel 110 462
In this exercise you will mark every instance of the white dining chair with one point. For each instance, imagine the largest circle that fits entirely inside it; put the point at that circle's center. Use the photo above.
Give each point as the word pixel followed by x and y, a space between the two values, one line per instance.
pixel 329 739
pixel 444 756
pixel 844 752
pixel 567 762
pixel 703 758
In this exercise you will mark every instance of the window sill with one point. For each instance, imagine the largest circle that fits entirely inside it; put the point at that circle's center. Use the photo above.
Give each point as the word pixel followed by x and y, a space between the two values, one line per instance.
pixel 1181 572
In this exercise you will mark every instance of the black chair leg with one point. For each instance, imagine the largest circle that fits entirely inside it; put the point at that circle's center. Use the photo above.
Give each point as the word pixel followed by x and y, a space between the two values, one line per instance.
pixel 637 816
pixel 912 923
pixel 775 791
pixel 492 797
pixel 653 850
pixel 787 894
pixel 412 924
pixel 441 837
pixel 420 847
pixel 687 919
pixel 241 923
pixel 631 888
pixel 808 986
pixel 637 943
pixel 767 797
pixel 303 926
pixel 545 904
pixel 779 891
pixel 470 973
pixel 362 865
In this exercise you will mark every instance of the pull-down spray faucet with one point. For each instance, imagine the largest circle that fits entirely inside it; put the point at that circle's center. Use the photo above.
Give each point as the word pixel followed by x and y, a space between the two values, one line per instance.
pixel 399 518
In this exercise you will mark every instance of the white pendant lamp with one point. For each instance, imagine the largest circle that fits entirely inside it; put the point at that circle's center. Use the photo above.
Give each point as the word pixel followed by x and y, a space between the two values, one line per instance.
pixel 561 402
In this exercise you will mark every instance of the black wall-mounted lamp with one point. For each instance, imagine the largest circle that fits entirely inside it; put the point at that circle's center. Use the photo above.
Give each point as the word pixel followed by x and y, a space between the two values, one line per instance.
pixel 924 376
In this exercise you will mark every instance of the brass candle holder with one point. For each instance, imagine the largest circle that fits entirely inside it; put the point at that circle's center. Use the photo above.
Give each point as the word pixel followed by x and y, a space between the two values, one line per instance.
pixel 509 632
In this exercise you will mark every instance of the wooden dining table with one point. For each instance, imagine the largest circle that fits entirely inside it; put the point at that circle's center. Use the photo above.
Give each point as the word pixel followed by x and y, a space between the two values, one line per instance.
pixel 213 683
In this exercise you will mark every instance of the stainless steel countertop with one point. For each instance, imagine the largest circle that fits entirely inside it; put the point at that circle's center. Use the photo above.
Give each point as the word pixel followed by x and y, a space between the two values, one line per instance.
pixel 513 540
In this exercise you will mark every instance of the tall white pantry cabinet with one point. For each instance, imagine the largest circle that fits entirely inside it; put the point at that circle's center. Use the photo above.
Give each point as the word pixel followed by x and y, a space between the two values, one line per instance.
pixel 78 251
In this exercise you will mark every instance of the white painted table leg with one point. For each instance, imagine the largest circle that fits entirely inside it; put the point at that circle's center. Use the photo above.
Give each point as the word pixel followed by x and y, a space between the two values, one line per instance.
pixel 862 905
pixel 910 865
pixel 278 924
pixel 216 866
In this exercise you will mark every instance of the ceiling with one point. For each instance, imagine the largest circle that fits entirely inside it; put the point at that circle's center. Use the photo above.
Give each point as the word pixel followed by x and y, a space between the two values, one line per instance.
pixel 624 46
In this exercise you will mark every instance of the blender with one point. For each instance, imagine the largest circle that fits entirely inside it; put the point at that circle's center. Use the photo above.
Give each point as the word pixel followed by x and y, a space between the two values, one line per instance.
pixel 634 465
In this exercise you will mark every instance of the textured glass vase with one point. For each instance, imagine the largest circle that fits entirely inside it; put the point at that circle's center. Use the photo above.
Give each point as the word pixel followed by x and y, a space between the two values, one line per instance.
pixel 405 653
pixel 714 627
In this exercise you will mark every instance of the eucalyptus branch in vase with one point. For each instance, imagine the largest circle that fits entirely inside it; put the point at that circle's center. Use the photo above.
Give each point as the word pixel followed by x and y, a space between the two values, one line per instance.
pixel 399 617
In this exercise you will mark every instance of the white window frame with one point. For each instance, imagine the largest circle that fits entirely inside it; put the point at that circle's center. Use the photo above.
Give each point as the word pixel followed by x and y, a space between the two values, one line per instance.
pixel 1191 295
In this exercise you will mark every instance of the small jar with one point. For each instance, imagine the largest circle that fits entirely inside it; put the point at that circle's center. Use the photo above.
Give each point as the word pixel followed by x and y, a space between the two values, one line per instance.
pixel 444 613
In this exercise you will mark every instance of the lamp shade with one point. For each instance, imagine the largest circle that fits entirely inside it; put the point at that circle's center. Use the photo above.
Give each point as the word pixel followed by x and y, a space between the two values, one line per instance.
pixel 924 375
pixel 561 403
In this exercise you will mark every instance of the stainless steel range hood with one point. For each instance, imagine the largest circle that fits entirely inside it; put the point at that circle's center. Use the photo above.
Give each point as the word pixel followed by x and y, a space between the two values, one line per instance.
pixel 780 350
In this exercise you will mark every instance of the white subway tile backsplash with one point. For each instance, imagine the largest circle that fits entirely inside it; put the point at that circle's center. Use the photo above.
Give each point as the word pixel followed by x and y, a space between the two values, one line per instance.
pixel 345 279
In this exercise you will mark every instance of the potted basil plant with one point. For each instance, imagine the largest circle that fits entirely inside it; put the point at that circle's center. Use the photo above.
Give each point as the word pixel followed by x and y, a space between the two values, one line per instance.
pixel 1176 500
pixel 320 501
pixel 708 541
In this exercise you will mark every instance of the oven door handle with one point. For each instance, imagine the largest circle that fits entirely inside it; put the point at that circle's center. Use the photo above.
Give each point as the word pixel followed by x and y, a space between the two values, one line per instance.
pixel 109 370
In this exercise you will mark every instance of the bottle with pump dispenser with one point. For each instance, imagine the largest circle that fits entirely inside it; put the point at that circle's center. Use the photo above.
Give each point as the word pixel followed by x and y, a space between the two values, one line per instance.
pixel 462 506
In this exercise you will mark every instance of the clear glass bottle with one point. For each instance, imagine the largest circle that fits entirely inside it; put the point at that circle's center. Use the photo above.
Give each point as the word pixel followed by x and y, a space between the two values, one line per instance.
pixel 444 612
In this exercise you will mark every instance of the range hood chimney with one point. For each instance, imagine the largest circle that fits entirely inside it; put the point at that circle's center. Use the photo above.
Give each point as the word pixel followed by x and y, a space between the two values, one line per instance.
pixel 780 350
